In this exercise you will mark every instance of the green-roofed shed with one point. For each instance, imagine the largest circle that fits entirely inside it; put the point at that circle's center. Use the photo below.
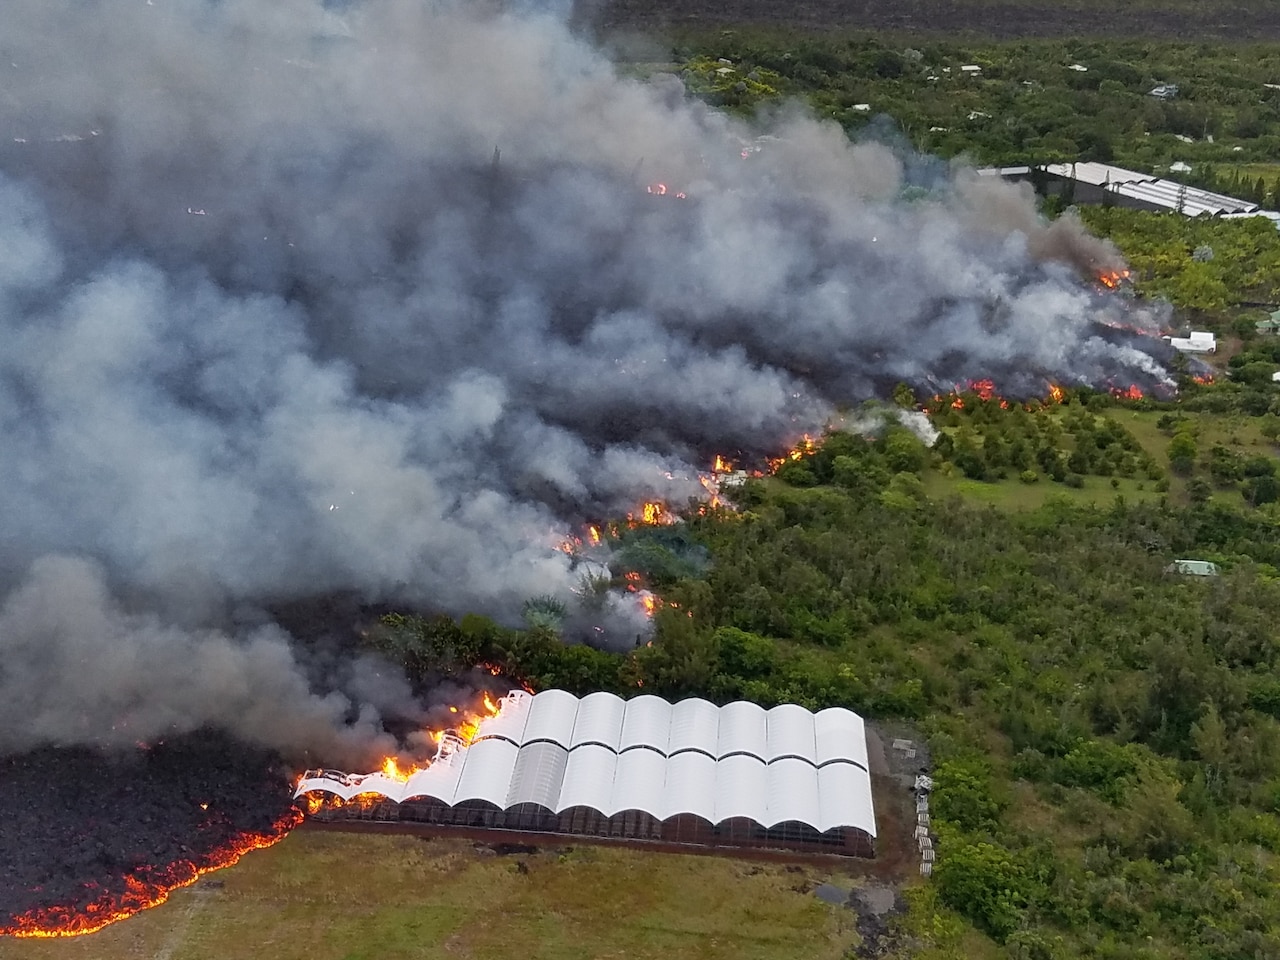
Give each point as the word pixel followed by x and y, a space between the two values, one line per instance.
pixel 1269 326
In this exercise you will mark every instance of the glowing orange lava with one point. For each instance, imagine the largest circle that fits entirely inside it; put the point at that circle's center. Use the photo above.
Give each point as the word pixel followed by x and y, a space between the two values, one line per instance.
pixel 146 886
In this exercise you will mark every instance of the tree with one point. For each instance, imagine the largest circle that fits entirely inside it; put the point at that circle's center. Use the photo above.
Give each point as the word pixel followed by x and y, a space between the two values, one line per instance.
pixel 985 883
pixel 1264 488
pixel 1182 452
pixel 903 451
pixel 904 396
pixel 963 794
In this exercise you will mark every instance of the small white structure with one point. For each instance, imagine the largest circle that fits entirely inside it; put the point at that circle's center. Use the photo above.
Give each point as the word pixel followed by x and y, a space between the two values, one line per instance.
pixel 970 69
pixel 1198 342
pixel 1179 166
pixel 862 107
pixel 1078 68
pixel 1194 568
pixel 1275 377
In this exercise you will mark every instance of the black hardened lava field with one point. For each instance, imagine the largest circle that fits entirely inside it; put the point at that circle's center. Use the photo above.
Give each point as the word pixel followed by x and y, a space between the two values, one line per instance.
pixel 89 835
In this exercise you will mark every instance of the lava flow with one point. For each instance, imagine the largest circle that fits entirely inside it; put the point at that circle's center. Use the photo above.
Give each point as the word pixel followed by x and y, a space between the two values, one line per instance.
pixel 92 837
pixel 146 886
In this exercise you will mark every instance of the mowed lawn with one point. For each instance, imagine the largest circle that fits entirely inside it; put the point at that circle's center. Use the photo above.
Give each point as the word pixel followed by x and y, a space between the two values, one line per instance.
pixel 337 896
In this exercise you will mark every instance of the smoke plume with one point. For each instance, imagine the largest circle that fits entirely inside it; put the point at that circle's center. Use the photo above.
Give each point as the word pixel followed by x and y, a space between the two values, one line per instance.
pixel 382 297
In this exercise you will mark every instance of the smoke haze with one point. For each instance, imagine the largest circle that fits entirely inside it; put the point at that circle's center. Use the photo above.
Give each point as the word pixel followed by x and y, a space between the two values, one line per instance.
pixel 297 301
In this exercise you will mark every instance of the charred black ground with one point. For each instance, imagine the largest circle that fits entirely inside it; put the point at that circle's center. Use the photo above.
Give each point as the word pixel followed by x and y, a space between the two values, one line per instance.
pixel 77 822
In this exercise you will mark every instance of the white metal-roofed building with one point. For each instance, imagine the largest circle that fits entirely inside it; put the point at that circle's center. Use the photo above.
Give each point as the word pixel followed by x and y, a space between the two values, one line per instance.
pixel 1104 183
pixel 689 772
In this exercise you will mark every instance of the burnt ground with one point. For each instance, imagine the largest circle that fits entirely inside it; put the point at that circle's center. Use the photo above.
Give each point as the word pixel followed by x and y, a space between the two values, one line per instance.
pixel 1001 20
pixel 74 823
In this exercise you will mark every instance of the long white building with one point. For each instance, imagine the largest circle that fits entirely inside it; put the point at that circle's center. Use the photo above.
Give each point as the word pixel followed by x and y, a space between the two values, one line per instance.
pixel 801 775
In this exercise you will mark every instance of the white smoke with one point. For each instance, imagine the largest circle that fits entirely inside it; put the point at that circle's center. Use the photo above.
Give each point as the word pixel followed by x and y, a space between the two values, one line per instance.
pixel 297 302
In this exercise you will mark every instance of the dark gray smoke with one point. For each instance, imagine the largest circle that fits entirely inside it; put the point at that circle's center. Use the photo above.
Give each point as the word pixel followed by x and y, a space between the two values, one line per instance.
pixel 296 301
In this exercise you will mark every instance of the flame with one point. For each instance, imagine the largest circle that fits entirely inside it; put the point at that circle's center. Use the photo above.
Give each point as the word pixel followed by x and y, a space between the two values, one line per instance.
pixel 1132 393
pixel 650 603
pixel 1056 393
pixel 1111 279
pixel 804 446
pixel 651 513
pixel 661 190
pixel 985 389
pixel 722 465
pixel 1204 380
pixel 593 534
pixel 145 887
pixel 465 723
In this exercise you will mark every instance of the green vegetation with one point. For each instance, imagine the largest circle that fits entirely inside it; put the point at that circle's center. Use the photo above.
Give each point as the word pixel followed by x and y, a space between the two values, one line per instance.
pixel 1244 265
pixel 1028 104
pixel 329 896
pixel 1107 735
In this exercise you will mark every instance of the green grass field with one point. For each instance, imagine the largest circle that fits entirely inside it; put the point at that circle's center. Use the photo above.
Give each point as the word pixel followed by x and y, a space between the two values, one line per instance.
pixel 338 896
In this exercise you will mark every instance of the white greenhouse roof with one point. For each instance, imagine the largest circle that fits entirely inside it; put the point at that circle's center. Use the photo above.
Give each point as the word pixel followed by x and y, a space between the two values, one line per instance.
pixel 740 760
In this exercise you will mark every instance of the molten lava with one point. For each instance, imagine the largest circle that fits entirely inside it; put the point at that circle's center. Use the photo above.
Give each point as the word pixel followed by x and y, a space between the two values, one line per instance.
pixel 145 886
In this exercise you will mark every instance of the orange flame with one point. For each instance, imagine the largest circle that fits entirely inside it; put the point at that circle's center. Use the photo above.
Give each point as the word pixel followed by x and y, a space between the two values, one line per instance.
pixel 1056 393
pixel 660 190
pixel 1111 279
pixel 722 465
pixel 1132 393
pixel 593 534
pixel 145 887
pixel 805 446
pixel 652 513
